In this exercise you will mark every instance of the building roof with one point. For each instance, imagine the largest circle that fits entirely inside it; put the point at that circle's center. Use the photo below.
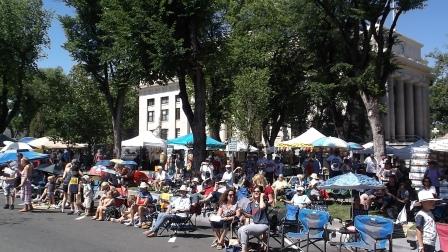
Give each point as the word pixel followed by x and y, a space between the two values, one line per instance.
pixel 157 89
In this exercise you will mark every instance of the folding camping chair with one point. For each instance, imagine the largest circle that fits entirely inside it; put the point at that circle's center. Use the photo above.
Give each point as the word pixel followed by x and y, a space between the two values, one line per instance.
pixel 374 233
pixel 291 220
pixel 314 228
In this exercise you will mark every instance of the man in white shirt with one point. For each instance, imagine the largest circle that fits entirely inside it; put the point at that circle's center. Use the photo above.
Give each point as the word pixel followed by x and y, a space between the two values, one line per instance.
pixel 227 177
pixel 299 199
pixel 371 166
pixel 178 208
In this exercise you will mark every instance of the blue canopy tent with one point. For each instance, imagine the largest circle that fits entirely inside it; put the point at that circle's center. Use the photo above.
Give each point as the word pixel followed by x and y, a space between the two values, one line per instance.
pixel 187 140
pixel 11 155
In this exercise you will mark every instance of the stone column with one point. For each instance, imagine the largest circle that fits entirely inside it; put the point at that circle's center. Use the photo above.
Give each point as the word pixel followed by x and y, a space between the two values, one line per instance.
pixel 418 110
pixel 400 116
pixel 410 131
pixel 426 115
pixel 391 112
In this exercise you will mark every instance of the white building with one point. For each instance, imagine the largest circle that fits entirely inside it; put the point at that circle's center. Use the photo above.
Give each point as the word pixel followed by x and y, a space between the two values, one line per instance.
pixel 160 111
pixel 407 97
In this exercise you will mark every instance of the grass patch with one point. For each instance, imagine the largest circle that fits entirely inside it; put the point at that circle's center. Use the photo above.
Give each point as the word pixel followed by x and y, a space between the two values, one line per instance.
pixel 340 211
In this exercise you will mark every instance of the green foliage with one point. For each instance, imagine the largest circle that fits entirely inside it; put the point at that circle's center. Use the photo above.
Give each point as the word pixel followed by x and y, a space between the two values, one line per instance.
pixel 439 91
pixel 23 34
pixel 250 101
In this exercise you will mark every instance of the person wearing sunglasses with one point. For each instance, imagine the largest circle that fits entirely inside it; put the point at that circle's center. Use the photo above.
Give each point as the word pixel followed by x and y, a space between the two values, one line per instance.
pixel 256 215
pixel 227 212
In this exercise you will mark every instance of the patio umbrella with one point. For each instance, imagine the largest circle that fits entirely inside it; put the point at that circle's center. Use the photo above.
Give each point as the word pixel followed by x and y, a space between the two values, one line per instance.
pixel 53 169
pixel 331 142
pixel 26 139
pixel 355 146
pixel 15 146
pixel 187 140
pixel 351 181
pixel 100 170
pixel 11 155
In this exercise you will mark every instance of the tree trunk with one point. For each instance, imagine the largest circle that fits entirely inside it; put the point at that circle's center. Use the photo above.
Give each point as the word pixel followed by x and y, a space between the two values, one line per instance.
pixel 117 125
pixel 372 105
pixel 198 126
pixel 214 130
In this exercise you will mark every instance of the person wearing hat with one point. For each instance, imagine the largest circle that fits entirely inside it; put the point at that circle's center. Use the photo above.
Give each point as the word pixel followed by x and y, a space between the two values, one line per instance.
pixel 299 199
pixel 143 200
pixel 424 220
pixel 227 177
pixel 9 178
pixel 179 208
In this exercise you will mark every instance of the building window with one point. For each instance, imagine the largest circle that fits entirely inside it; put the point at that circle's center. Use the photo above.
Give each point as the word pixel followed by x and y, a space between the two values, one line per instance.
pixel 150 102
pixel 164 134
pixel 177 132
pixel 150 116
pixel 164 114
pixel 177 99
pixel 164 100
pixel 177 113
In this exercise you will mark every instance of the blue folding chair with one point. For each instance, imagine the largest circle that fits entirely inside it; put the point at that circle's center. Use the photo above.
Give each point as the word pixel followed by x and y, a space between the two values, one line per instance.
pixel 291 220
pixel 374 233
pixel 314 228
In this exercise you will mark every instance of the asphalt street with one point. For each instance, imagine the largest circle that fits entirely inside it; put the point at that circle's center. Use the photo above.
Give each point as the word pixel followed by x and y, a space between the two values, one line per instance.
pixel 52 231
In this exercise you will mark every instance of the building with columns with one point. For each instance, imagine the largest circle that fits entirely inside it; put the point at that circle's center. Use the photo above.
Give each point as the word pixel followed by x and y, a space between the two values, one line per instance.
pixel 407 95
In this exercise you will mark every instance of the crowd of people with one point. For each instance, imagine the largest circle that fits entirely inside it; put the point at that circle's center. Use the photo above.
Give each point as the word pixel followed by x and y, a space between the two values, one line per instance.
pixel 240 197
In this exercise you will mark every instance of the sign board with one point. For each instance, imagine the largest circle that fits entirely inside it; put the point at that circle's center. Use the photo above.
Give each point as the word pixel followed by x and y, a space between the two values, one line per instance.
pixel 233 145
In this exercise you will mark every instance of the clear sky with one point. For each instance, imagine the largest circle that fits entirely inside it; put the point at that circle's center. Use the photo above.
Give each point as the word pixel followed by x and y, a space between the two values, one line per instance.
pixel 428 26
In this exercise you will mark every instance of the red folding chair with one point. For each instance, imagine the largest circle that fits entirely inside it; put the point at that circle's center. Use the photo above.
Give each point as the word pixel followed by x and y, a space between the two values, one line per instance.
pixel 442 231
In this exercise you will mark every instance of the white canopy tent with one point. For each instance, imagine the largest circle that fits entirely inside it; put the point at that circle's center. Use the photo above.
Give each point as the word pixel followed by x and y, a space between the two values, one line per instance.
pixel 242 146
pixel 144 139
pixel 403 152
pixel 439 144
pixel 47 143
pixel 304 140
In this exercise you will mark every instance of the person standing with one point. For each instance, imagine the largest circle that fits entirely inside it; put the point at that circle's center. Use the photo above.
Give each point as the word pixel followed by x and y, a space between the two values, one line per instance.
pixel 335 162
pixel 433 173
pixel 269 168
pixel 25 184
pixel 371 166
pixel 424 220
pixel 10 175
pixel 278 167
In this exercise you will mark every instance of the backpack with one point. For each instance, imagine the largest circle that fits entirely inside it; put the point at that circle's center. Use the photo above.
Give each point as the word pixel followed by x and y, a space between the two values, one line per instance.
pixel 111 212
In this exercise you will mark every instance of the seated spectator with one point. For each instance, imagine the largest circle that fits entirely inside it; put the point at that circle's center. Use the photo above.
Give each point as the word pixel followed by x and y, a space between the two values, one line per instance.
pixel 279 186
pixel 226 214
pixel 143 201
pixel 160 179
pixel 257 210
pixel 227 177
pixel 126 213
pixel 299 199
pixel 314 191
pixel 105 202
pixel 427 186
pixel 296 180
pixel 259 179
pixel 179 208
pixel 366 199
